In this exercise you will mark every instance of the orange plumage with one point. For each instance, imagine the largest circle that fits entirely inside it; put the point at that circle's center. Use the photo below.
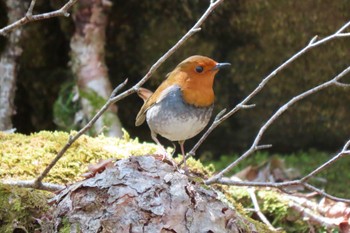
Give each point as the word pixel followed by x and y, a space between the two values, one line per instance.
pixel 181 106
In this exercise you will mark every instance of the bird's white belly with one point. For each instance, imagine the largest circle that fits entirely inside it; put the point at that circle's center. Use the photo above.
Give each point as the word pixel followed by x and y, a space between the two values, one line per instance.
pixel 173 126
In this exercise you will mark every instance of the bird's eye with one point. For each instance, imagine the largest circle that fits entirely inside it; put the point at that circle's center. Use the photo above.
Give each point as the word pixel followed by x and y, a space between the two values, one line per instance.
pixel 199 69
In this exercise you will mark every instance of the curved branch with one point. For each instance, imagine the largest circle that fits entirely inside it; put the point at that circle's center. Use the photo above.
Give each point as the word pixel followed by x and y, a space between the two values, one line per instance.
pixel 63 11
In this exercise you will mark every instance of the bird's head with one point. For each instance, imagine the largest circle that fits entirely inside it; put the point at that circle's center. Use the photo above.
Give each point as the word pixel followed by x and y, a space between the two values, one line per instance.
pixel 200 67
pixel 196 77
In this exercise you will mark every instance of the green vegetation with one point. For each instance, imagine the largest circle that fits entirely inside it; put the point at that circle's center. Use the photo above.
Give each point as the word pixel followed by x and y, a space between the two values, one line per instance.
pixel 21 208
pixel 24 157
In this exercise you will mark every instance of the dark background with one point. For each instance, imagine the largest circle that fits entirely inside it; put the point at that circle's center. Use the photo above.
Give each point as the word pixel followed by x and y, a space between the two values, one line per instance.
pixel 254 36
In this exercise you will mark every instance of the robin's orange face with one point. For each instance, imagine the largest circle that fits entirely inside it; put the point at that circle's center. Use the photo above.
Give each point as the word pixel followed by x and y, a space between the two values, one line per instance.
pixel 198 67
pixel 197 80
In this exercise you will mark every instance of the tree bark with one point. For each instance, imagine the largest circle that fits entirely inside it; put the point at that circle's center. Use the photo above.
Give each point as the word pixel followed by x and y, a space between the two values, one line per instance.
pixel 143 194
pixel 9 65
pixel 88 64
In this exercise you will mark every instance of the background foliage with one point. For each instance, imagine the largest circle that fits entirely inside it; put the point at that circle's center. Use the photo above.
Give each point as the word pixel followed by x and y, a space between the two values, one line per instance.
pixel 254 35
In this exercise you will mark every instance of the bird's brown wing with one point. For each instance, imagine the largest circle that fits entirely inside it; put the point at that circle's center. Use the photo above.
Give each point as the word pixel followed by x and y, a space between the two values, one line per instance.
pixel 162 91
pixel 157 96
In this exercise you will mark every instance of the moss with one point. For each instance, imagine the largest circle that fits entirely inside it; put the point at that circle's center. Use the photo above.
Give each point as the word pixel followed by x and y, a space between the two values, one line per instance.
pixel 24 157
pixel 197 167
pixel 21 207
pixel 66 226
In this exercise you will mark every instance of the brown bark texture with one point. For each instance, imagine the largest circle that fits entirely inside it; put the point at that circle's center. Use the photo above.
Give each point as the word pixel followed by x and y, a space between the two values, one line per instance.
pixel 88 63
pixel 143 194
pixel 9 65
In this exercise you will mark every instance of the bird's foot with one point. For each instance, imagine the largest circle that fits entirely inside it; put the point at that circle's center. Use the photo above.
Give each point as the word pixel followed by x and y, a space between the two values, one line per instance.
pixel 184 171
pixel 165 156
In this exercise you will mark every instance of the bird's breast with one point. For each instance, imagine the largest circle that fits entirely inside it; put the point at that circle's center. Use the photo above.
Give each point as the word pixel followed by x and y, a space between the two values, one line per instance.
pixel 176 120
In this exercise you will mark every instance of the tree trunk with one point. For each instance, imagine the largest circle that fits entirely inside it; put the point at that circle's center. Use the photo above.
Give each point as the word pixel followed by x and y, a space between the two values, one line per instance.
pixel 9 65
pixel 88 64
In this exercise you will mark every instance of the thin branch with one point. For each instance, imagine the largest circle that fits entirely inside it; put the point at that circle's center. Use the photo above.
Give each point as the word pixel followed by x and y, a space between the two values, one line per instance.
pixel 342 84
pixel 280 186
pixel 31 184
pixel 301 182
pixel 255 146
pixel 31 8
pixel 128 92
pixel 326 164
pixel 312 44
pixel 257 210
pixel 308 210
pixel 72 139
pixel 155 66
pixel 63 11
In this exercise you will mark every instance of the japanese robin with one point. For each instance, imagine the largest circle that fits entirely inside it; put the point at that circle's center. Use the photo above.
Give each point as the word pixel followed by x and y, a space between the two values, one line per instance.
pixel 182 105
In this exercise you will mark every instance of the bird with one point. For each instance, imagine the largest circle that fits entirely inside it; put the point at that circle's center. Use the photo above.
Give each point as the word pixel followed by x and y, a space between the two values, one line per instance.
pixel 181 107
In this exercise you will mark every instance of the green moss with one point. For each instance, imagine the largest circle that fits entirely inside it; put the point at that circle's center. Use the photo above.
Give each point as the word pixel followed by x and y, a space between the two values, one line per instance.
pixel 197 167
pixel 24 157
pixel 21 207
pixel 66 226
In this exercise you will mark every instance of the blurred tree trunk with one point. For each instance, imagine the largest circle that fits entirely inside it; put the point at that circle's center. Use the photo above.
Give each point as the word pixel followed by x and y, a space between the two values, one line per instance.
pixel 9 65
pixel 88 64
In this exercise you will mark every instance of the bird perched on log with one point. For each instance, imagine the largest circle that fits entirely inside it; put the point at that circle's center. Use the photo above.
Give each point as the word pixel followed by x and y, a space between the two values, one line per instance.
pixel 182 105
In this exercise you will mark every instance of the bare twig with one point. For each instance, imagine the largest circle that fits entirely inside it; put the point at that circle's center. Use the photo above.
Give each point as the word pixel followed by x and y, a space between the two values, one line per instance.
pixel 72 139
pixel 257 210
pixel 280 186
pixel 328 163
pixel 31 8
pixel 244 103
pixel 309 211
pixel 32 184
pixel 29 17
pixel 255 146
pixel 301 182
pixel 130 91
pixel 155 66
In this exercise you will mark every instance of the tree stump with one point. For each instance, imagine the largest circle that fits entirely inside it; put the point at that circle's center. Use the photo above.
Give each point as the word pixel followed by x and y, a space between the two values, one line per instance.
pixel 143 194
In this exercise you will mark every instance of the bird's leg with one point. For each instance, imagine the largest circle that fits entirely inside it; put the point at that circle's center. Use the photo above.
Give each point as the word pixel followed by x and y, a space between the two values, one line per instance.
pixel 162 149
pixel 181 143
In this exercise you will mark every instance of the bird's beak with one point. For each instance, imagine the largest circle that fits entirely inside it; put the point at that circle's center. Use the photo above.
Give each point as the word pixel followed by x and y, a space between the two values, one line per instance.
pixel 221 65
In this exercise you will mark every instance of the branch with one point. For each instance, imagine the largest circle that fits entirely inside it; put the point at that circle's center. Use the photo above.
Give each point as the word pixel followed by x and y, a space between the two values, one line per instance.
pixel 327 164
pixel 29 17
pixel 280 186
pixel 244 103
pixel 301 182
pixel 72 139
pixel 113 98
pixel 155 66
pixel 257 210
pixel 31 184
pixel 308 210
pixel 255 146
